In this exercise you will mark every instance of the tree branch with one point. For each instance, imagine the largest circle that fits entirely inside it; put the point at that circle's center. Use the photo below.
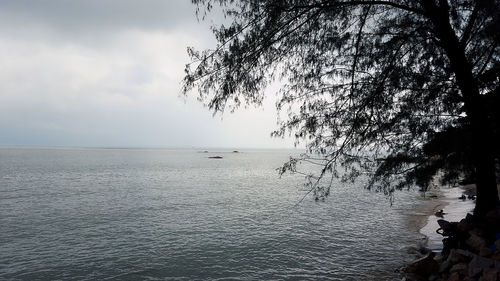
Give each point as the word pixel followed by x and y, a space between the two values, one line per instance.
pixel 468 29
pixel 328 4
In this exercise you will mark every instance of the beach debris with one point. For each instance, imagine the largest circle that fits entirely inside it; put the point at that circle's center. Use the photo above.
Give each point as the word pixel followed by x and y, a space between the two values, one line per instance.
pixel 446 228
pixel 440 213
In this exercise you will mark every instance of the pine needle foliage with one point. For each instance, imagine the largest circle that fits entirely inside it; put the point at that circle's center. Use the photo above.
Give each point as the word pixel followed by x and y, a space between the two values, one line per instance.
pixel 395 89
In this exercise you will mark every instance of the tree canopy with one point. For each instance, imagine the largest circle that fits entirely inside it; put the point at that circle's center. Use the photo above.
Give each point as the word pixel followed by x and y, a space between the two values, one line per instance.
pixel 400 90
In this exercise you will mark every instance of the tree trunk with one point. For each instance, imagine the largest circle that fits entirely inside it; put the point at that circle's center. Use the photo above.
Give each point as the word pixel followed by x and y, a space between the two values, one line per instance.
pixel 483 141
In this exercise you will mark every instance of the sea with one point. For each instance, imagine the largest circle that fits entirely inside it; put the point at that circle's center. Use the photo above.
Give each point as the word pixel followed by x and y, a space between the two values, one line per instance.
pixel 71 213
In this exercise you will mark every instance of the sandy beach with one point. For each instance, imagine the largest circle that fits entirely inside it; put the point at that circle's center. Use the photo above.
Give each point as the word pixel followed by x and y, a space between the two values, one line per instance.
pixel 424 221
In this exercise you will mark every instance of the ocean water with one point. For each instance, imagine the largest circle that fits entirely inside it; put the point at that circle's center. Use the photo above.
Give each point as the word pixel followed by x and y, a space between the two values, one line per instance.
pixel 159 214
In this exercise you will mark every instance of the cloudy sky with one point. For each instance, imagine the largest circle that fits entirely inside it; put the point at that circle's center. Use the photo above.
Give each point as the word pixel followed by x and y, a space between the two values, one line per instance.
pixel 107 73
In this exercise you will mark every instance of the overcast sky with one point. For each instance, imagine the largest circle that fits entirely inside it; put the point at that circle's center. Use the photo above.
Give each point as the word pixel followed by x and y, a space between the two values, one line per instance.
pixel 108 73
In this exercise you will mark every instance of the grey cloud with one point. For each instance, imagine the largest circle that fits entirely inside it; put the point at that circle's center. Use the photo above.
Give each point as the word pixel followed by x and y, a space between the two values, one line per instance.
pixel 97 15
pixel 101 72
pixel 96 23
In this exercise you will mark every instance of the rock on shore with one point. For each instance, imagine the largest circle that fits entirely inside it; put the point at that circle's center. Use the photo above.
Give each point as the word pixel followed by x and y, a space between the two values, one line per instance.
pixel 471 252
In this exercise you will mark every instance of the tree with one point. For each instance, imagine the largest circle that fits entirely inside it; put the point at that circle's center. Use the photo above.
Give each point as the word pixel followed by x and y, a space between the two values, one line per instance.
pixel 404 90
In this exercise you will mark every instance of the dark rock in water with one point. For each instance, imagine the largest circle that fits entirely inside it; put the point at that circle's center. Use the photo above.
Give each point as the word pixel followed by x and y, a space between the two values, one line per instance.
pixel 236 151
pixel 424 267
pixel 417 251
pixel 215 157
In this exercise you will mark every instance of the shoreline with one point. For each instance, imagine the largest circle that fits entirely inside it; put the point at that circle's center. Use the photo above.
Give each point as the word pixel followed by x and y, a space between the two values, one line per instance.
pixel 423 221
pixel 455 209
pixel 425 208
pixel 471 251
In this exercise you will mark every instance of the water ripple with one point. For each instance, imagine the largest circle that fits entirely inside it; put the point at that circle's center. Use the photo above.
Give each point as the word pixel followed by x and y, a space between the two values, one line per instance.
pixel 175 215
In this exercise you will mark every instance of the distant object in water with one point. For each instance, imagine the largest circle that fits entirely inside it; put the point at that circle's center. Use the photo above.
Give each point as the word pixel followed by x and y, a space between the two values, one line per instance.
pixel 206 151
pixel 236 151
pixel 440 213
pixel 462 197
pixel 215 157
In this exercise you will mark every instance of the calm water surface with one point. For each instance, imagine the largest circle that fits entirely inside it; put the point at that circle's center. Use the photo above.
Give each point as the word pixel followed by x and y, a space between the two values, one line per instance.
pixel 136 214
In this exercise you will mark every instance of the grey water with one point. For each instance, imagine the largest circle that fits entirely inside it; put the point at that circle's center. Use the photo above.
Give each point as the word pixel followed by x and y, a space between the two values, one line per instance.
pixel 160 214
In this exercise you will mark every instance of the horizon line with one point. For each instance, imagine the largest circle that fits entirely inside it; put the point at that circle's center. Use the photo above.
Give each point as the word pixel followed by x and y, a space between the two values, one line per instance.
pixel 145 147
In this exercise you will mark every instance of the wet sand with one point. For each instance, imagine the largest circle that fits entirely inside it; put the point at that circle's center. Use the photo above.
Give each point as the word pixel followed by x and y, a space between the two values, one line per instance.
pixel 454 209
pixel 426 207
pixel 424 221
